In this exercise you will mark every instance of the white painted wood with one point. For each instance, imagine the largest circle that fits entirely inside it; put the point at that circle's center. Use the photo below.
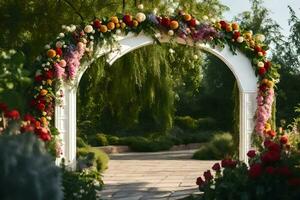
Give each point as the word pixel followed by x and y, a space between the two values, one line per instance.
pixel 65 116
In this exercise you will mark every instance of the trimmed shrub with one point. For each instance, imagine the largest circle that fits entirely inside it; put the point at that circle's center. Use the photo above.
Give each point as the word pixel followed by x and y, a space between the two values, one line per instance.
pixel 101 139
pixel 113 140
pixel 186 122
pixel 219 147
pixel 89 157
pixel 80 142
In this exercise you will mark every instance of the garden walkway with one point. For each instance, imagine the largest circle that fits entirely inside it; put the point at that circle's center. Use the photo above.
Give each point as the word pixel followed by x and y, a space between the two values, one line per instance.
pixel 149 176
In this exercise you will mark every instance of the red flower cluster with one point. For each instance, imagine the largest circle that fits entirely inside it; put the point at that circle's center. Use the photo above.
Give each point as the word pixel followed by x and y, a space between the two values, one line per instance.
pixel 271 162
pixel 207 177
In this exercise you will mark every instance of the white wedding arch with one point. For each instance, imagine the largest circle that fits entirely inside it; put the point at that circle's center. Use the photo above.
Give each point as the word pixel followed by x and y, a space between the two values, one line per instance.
pixel 239 64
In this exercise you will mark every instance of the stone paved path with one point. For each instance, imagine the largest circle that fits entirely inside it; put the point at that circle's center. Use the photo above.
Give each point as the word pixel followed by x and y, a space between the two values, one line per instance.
pixel 150 176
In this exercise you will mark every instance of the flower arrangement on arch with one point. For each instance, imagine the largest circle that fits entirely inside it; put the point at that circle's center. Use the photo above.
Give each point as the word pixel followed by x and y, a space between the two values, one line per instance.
pixel 273 173
pixel 61 59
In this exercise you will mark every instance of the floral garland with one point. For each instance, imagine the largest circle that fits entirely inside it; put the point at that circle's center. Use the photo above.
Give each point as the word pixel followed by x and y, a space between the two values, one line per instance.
pixel 62 58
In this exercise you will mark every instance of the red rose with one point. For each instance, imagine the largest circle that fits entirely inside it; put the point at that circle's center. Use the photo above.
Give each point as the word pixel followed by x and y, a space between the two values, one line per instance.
pixel 14 114
pixel 59 51
pixel 262 71
pixel 294 182
pixel 49 74
pixel 192 22
pixel 274 147
pixel 199 181
pixel 43 134
pixel 268 65
pixel 165 22
pixel 127 19
pixel 216 167
pixel 255 170
pixel 223 24
pixel 267 143
pixel 270 170
pixel 284 139
pixel 38 78
pixel 97 23
pixel 207 175
pixel 251 154
pixel 263 87
pixel 258 48
pixel 41 106
pixel 284 171
pixel 228 163
pixel 29 117
pixel 236 34
pixel 27 129
pixel 271 156
pixel 3 107
pixel 271 133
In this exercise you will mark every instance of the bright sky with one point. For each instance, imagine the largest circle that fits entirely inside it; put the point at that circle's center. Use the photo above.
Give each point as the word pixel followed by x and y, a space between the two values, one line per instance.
pixel 279 10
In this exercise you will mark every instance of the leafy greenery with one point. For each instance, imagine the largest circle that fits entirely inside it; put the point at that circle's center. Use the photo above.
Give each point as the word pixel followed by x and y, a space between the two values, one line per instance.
pixel 81 185
pixel 220 146
pixel 89 157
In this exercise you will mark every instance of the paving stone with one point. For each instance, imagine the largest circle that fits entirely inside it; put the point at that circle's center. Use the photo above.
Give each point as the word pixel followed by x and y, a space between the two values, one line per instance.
pixel 160 175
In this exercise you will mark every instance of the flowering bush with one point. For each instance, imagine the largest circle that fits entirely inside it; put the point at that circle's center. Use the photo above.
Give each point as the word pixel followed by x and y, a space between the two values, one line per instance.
pixel 273 173
pixel 13 124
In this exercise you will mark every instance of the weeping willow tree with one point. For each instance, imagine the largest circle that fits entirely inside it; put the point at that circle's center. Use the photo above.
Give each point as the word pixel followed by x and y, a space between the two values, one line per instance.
pixel 138 91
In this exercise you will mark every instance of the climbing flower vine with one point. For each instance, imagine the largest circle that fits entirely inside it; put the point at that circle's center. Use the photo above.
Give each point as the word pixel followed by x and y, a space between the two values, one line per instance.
pixel 61 59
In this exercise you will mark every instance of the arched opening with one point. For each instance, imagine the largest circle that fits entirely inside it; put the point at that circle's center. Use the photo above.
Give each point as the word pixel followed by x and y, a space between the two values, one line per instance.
pixel 65 115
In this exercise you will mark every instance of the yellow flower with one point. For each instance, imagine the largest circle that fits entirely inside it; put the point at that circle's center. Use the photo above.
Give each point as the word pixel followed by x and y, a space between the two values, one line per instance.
pixel 114 19
pixel 135 23
pixel 43 92
pixel 51 53
pixel 174 25
pixel 187 17
pixel 103 28
pixel 111 26
pixel 49 82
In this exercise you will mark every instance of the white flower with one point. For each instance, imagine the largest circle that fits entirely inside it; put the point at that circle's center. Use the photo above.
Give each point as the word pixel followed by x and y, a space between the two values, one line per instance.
pixel 48 63
pixel 240 39
pixel 141 6
pixel 65 46
pixel 61 35
pixel 260 64
pixel 88 29
pixel 91 43
pixel 68 29
pixel 49 118
pixel 155 10
pixel 170 11
pixel 83 40
pixel 260 37
pixel 118 32
pixel 170 32
pixel 213 20
pixel 44 113
pixel 196 57
pixel 47 46
pixel 171 51
pixel 140 17
pixel 216 7
pixel 157 35
pixel 63 26
pixel 91 37
pixel 72 28
pixel 205 18
pixel 58 44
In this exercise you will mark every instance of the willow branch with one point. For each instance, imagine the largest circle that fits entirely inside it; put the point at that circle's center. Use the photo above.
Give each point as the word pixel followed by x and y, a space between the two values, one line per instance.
pixel 75 10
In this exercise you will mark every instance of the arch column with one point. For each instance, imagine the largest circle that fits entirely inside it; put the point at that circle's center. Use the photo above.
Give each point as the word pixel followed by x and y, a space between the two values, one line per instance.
pixel 247 112
pixel 65 122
